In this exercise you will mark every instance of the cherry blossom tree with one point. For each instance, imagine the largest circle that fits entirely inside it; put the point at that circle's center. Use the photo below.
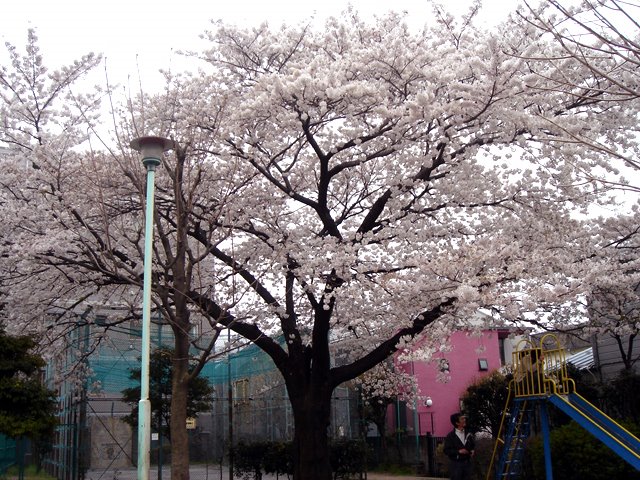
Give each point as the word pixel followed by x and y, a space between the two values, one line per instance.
pixel 36 105
pixel 380 387
pixel 94 248
pixel 348 189
pixel 614 294
pixel 42 117
pixel 74 229
pixel 600 35
pixel 403 181
pixel 599 39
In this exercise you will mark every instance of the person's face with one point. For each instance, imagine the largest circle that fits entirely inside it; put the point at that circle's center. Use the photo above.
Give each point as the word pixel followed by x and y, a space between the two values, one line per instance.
pixel 462 422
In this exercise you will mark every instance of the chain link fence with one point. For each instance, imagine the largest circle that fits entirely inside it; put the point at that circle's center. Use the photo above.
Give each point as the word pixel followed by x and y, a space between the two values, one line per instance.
pixel 250 405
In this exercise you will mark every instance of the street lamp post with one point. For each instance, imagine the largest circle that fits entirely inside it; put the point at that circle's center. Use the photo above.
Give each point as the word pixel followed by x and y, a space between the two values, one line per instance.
pixel 416 422
pixel 430 441
pixel 151 149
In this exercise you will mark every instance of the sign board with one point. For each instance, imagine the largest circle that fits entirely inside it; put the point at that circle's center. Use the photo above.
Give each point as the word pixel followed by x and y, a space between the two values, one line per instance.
pixel 191 423
pixel 154 436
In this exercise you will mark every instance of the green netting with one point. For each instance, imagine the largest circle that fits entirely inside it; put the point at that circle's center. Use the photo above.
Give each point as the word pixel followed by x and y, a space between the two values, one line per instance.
pixel 244 363
pixel 7 453
pixel 118 354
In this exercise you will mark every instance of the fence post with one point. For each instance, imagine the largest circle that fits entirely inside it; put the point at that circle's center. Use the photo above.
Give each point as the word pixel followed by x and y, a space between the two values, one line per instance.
pixel 431 454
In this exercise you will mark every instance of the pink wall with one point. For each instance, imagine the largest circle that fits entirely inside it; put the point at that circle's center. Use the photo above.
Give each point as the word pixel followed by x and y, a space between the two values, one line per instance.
pixel 466 350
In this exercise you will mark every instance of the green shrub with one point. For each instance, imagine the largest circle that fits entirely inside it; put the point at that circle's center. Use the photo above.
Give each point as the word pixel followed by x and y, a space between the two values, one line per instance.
pixel 278 459
pixel 248 459
pixel 252 460
pixel 348 457
pixel 577 455
pixel 31 472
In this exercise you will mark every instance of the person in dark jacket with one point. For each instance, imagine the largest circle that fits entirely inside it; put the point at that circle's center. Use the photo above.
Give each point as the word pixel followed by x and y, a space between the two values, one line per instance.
pixel 459 446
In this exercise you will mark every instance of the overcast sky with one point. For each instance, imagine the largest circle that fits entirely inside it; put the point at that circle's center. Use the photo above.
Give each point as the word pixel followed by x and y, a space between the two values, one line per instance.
pixel 144 35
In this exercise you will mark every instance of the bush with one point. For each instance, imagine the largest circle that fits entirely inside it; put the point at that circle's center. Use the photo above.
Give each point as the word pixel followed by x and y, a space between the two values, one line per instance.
pixel 31 472
pixel 251 460
pixel 622 396
pixel 348 457
pixel 482 457
pixel 248 459
pixel 278 459
pixel 577 455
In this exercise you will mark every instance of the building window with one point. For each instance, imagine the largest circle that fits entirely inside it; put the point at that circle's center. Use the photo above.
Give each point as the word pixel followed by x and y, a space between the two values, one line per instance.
pixel 503 357
pixel 241 391
pixel 100 320
pixel 483 364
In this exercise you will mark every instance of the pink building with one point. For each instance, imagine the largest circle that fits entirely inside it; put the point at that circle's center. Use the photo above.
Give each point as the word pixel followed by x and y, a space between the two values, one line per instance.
pixel 472 356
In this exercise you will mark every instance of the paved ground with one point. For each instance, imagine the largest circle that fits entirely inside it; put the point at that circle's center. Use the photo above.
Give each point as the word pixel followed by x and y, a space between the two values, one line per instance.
pixel 213 472
pixel 382 476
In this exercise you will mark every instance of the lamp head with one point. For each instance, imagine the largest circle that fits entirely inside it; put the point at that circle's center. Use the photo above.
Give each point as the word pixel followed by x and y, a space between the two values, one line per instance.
pixel 151 149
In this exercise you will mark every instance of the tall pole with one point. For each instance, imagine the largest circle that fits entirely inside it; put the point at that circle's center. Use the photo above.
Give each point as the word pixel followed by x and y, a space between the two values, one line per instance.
pixel 151 149
pixel 230 404
pixel 546 437
pixel 160 452
pixel 430 443
pixel 416 423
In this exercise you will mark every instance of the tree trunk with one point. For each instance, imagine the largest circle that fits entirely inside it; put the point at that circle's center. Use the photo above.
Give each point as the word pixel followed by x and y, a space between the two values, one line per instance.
pixel 179 392
pixel 181 326
pixel 311 440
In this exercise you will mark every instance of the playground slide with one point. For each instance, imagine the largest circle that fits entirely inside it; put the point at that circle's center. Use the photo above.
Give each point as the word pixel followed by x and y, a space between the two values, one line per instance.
pixel 603 420
pixel 622 442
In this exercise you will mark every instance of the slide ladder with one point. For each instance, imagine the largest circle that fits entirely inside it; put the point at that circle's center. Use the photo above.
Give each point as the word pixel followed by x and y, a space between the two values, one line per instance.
pixel 518 429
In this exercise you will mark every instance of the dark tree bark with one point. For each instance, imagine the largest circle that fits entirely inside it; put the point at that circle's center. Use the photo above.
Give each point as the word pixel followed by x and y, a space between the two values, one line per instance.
pixel 311 413
pixel 179 387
